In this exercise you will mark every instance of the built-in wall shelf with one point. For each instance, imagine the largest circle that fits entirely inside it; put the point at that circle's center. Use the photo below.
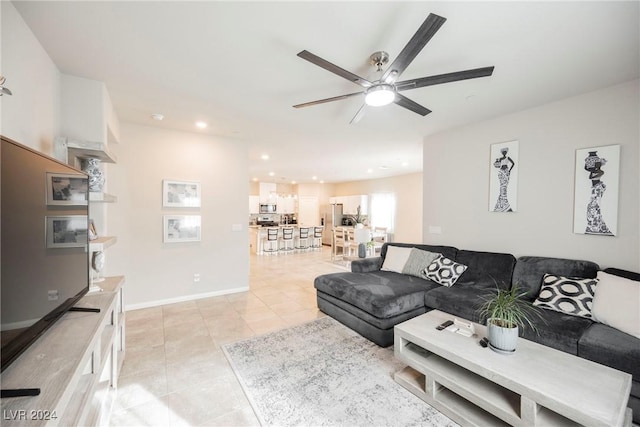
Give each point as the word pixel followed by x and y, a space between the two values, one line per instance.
pixel 90 149
pixel 102 243
pixel 99 197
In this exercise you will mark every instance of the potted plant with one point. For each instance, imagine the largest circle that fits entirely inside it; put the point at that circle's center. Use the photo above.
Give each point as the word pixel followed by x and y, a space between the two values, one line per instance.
pixel 506 311
pixel 358 218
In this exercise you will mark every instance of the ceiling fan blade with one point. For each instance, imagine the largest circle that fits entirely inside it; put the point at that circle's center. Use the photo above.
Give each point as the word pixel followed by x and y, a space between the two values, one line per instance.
pixel 323 63
pixel 359 115
pixel 324 101
pixel 405 102
pixel 444 78
pixel 428 28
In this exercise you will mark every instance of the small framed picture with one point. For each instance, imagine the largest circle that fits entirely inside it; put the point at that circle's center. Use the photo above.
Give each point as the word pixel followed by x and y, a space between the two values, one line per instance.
pixel 180 194
pixel 69 231
pixel 67 189
pixel 181 228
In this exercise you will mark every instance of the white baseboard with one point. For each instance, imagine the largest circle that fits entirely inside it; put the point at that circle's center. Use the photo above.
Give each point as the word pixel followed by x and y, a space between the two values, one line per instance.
pixel 184 298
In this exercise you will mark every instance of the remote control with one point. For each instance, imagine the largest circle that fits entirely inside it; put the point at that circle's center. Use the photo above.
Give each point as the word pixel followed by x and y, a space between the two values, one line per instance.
pixel 444 325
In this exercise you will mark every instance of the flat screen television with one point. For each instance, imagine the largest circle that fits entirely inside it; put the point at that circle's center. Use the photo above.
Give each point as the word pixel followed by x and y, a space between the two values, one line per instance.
pixel 44 244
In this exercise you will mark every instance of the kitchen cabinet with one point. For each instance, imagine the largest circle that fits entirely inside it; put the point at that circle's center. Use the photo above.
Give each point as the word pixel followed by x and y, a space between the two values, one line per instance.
pixel 268 192
pixel 254 204
pixel 350 204
pixel 286 205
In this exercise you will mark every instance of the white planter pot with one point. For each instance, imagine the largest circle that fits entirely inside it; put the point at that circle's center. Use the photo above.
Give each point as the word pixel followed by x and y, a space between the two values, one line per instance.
pixel 503 340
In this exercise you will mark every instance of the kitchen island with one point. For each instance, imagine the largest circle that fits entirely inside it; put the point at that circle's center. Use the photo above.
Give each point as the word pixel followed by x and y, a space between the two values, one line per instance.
pixel 258 233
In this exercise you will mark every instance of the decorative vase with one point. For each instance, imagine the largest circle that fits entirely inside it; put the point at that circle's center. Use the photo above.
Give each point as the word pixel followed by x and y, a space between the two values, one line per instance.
pixel 92 168
pixel 502 340
pixel 97 264
pixel 362 250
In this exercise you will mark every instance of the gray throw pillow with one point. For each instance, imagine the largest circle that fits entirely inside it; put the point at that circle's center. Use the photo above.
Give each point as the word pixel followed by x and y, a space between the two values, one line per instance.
pixel 417 262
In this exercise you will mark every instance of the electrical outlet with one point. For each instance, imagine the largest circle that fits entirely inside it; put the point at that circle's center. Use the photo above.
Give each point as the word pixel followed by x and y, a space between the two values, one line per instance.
pixel 53 295
pixel 196 277
pixel 435 229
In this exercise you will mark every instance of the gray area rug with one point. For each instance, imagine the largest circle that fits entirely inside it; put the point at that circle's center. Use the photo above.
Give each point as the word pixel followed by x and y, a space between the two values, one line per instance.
pixel 324 374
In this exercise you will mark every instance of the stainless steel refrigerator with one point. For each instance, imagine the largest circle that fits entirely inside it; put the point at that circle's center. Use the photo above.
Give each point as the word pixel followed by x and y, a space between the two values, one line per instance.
pixel 331 216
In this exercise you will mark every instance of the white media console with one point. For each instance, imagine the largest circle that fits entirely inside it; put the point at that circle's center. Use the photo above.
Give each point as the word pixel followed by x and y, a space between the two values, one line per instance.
pixel 75 364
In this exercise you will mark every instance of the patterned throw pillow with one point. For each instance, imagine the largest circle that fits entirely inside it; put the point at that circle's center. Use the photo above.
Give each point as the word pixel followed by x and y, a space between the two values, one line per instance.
pixel 569 295
pixel 444 271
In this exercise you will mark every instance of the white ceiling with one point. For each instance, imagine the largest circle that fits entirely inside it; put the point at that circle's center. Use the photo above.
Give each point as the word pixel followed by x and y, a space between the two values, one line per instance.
pixel 234 65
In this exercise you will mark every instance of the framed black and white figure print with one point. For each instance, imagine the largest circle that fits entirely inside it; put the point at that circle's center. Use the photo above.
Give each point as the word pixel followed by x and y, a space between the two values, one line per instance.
pixel 180 194
pixel 596 191
pixel 67 189
pixel 181 228
pixel 503 178
pixel 70 231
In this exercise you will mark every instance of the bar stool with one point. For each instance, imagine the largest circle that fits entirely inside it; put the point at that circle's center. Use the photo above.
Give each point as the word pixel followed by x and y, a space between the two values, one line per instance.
pixel 286 240
pixel 303 239
pixel 270 241
pixel 316 238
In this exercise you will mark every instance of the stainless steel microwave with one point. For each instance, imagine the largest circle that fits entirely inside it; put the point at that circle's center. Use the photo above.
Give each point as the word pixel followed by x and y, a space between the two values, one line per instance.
pixel 267 208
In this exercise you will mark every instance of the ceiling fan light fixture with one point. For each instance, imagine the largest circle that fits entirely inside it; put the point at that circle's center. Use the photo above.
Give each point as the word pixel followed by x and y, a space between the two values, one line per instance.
pixel 379 95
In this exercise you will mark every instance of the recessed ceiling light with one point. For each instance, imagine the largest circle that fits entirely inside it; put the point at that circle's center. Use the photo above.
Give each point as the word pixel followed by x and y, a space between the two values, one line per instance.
pixel 272 173
pixel 315 178
pixel 369 170
pixel 201 125
pixel 293 182
pixel 322 182
pixel 265 157
pixel 157 116
pixel 405 164
pixel 255 179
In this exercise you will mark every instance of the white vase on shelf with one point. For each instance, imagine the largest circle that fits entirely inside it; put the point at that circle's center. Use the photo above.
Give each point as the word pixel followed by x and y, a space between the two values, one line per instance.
pixel 91 167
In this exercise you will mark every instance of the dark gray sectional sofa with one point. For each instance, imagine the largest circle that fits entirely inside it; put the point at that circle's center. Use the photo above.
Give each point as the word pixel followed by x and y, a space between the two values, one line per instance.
pixel 371 302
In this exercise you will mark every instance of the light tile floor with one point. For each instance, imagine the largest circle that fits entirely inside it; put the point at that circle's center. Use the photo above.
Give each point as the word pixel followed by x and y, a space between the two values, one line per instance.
pixel 175 373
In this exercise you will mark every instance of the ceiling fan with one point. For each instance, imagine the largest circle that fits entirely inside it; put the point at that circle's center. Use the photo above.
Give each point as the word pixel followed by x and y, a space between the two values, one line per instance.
pixel 387 89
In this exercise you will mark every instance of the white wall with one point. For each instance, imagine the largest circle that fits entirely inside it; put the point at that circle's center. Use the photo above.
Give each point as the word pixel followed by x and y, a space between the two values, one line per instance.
pixel 157 272
pixel 84 109
pixel 457 168
pixel 32 115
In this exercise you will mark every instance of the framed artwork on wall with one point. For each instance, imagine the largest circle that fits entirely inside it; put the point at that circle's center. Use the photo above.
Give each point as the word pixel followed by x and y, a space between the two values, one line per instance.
pixel 67 189
pixel 596 191
pixel 182 228
pixel 70 231
pixel 503 178
pixel 181 194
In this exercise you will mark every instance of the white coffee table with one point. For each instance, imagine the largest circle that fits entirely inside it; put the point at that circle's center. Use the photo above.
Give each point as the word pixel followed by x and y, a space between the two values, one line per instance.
pixel 535 386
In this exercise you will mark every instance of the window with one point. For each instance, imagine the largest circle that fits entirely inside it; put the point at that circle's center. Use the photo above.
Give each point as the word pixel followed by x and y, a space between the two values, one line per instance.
pixel 383 211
